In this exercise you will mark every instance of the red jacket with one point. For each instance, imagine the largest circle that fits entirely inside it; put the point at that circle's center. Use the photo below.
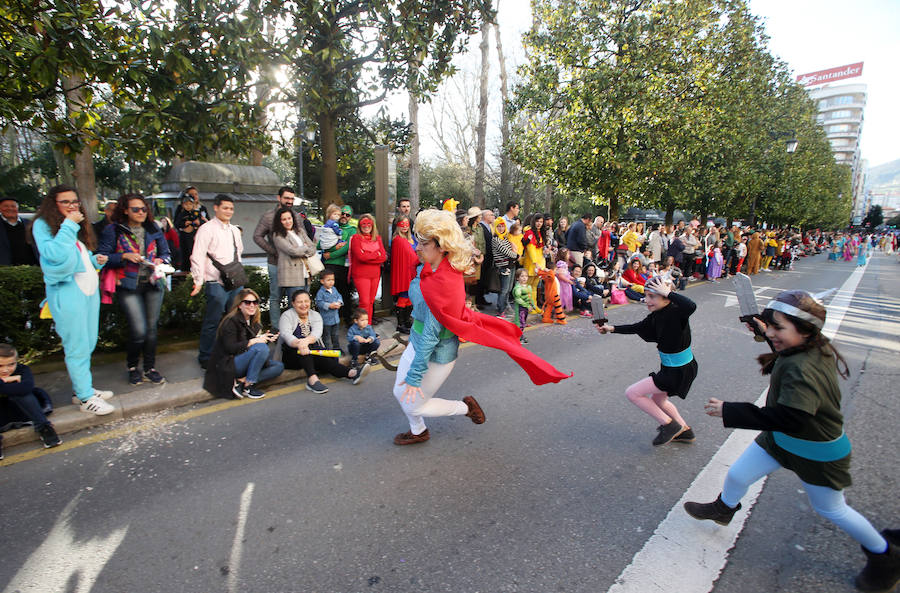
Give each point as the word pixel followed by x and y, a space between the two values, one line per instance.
pixel 366 256
pixel 404 262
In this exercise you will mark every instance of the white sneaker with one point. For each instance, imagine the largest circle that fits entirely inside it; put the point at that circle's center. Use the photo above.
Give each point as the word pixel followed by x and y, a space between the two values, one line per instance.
pixel 97 393
pixel 96 405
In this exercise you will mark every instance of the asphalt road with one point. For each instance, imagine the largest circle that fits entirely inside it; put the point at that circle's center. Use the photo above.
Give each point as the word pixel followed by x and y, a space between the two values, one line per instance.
pixel 557 491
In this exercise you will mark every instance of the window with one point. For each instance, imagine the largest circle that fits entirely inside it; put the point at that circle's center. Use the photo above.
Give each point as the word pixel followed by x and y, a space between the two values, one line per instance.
pixel 838 128
pixel 840 114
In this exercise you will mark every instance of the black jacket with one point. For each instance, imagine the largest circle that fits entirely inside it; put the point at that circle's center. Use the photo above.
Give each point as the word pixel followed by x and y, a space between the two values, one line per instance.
pixel 231 340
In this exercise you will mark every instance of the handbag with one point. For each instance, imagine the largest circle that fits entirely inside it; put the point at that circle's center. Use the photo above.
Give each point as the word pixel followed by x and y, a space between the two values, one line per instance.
pixel 314 265
pixel 232 274
pixel 617 297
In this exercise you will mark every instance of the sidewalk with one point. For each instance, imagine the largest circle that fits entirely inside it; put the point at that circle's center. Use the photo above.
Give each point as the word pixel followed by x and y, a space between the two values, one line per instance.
pixel 183 386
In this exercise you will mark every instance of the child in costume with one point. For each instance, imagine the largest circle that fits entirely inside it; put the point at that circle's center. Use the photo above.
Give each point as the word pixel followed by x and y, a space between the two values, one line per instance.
pixel 862 253
pixel 553 311
pixel 65 240
pixel 441 319
pixel 522 302
pixel 330 233
pixel 668 325
pixel 803 431
pixel 565 282
pixel 714 262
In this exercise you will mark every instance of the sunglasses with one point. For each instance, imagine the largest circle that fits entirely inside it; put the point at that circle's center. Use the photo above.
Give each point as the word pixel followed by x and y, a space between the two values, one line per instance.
pixel 137 209
pixel 68 203
pixel 249 302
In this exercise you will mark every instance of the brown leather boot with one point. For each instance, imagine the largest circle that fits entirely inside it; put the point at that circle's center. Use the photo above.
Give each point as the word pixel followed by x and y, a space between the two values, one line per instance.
pixel 408 438
pixel 716 511
pixel 475 412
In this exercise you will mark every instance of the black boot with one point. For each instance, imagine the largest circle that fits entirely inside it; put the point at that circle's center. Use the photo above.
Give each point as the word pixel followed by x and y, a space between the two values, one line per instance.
pixel 404 321
pixel 716 511
pixel 882 571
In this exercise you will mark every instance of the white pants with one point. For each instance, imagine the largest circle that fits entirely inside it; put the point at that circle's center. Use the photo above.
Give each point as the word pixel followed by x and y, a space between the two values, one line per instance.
pixel 426 405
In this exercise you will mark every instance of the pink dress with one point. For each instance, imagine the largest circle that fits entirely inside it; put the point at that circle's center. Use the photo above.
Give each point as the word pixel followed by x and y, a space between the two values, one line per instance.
pixel 714 267
pixel 565 289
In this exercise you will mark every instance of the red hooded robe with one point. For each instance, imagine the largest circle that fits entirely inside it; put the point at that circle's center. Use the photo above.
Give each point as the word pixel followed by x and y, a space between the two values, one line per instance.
pixel 445 295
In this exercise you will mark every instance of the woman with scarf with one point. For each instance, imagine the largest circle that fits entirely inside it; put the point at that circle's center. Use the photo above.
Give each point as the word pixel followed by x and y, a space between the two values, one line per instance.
pixel 135 245
pixel 404 262
pixel 505 258
pixel 367 255
pixel 440 319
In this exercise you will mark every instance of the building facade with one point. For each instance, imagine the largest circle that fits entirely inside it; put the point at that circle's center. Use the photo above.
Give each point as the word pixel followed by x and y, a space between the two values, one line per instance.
pixel 841 110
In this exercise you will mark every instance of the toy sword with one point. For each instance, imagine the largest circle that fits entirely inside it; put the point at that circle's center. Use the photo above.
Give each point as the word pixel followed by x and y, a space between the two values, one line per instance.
pixel 599 314
pixel 743 288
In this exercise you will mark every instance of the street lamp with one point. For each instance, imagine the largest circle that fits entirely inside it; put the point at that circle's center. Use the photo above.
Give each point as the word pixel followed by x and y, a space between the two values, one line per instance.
pixel 302 133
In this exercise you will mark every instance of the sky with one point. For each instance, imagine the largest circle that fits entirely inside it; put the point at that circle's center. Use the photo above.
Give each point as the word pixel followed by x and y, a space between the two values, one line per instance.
pixel 808 35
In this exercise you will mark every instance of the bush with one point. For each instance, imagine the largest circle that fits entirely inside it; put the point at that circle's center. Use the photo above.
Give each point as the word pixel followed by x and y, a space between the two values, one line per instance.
pixel 22 290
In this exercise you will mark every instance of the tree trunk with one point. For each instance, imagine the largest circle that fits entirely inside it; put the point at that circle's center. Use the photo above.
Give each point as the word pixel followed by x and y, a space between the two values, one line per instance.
pixel 63 168
pixel 613 209
pixel 329 193
pixel 548 198
pixel 505 184
pixel 85 182
pixel 529 191
pixel 670 213
pixel 264 90
pixel 482 116
pixel 414 154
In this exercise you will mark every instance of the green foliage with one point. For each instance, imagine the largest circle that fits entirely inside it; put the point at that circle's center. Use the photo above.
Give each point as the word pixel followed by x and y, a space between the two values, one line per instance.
pixel 874 218
pixel 21 292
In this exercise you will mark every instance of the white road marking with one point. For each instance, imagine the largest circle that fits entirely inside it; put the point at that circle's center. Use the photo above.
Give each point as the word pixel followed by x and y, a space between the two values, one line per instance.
pixel 689 555
pixel 234 562
pixel 731 298
pixel 61 560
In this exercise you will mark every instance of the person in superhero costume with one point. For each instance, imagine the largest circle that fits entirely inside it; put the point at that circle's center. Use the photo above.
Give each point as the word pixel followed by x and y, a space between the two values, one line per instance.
pixel 440 320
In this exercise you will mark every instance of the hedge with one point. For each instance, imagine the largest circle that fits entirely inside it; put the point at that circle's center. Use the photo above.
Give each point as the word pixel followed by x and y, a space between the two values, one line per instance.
pixel 22 290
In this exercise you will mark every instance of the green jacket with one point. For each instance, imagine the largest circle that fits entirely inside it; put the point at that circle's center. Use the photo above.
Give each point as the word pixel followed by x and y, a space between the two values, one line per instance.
pixel 338 257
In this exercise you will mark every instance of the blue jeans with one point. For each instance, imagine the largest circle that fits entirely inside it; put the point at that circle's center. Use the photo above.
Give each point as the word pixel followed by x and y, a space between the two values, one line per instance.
pixel 256 365
pixel 276 292
pixel 217 301
pixel 141 307
pixel 357 348
pixel 503 295
pixel 330 336
pixel 30 407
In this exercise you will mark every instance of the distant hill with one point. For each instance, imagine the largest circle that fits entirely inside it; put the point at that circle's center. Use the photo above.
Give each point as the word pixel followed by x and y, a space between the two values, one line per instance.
pixel 884 175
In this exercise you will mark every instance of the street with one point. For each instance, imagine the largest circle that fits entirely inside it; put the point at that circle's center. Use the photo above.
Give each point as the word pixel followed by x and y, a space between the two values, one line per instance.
pixel 557 491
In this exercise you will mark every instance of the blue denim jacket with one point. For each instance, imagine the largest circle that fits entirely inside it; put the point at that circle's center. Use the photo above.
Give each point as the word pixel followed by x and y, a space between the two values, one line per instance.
pixel 428 345
pixel 354 331
pixel 323 299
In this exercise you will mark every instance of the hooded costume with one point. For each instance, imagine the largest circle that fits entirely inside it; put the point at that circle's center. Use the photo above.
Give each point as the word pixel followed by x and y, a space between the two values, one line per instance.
pixel 553 311
pixel 444 293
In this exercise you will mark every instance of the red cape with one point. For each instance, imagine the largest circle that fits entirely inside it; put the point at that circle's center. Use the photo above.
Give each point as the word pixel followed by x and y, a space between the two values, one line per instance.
pixel 445 295
pixel 404 262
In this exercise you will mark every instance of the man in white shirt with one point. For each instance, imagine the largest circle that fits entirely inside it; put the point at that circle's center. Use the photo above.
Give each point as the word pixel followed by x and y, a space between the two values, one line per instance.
pixel 220 239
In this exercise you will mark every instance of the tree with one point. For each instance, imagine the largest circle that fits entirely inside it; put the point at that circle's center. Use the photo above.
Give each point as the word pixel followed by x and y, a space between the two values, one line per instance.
pixel 348 54
pixel 481 130
pixel 874 218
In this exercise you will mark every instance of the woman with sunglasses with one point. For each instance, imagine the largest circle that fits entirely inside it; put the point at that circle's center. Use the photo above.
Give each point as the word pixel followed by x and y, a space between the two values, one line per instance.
pixel 240 357
pixel 135 245
pixel 65 240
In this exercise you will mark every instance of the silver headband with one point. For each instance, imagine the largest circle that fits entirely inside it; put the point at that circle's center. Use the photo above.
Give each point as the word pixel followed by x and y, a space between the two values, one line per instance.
pixel 793 311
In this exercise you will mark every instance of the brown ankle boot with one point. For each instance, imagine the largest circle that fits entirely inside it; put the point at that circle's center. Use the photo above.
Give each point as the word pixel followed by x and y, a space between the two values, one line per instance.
pixel 475 412
pixel 716 511
pixel 408 438
pixel 882 571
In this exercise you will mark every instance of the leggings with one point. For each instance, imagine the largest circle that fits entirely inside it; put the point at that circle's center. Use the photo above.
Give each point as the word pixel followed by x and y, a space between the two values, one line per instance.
pixel 426 406
pixel 754 463
pixel 367 289
pixel 533 282
pixel 654 401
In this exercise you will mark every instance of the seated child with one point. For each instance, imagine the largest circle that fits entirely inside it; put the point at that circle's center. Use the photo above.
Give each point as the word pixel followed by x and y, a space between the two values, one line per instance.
pixel 580 294
pixel 361 339
pixel 21 402
pixel 594 280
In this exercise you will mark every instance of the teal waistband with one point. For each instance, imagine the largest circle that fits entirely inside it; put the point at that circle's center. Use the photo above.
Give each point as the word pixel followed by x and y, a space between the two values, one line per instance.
pixel 814 450
pixel 419 327
pixel 679 359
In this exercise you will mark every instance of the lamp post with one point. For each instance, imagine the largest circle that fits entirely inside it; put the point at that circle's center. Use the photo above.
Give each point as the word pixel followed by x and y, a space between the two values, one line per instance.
pixel 790 145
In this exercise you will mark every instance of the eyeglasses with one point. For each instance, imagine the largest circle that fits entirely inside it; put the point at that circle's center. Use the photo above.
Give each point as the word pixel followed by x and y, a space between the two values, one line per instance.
pixel 249 302
pixel 137 209
pixel 68 203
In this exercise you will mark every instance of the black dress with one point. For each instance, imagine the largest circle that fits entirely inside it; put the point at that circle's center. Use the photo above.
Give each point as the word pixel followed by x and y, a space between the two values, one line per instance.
pixel 670 328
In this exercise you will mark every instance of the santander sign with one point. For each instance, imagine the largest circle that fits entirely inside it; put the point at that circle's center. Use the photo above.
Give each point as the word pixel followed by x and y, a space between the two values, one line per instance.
pixel 830 75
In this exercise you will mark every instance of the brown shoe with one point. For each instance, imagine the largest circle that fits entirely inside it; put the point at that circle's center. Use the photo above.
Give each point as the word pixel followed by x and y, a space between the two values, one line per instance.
pixel 475 412
pixel 408 438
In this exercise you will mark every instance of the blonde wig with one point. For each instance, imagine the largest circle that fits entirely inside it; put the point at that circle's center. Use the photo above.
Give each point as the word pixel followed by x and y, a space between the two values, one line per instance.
pixel 441 226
